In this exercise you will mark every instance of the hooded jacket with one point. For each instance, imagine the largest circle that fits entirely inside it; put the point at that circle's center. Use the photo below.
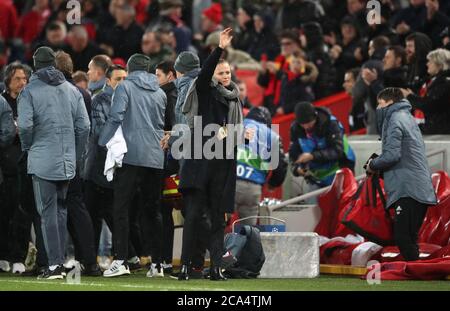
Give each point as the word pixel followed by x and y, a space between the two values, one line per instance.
pixel 96 155
pixel 417 70
pixel 403 159
pixel 317 54
pixel 138 104
pixel 53 125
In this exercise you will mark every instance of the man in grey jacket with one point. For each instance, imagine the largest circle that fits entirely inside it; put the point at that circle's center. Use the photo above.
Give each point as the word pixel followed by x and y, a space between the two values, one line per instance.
pixel 138 106
pixel 407 177
pixel 53 128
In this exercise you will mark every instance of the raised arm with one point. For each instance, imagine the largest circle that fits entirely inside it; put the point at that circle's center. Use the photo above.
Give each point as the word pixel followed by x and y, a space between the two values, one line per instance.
pixel 207 72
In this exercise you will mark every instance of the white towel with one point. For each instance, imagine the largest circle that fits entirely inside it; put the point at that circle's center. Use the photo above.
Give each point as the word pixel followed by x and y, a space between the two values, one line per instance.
pixel 117 147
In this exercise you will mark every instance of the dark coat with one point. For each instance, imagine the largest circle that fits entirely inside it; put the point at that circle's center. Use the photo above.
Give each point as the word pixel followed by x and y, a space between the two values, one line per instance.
pixel 264 42
pixel 198 173
pixel 170 164
pixel 435 105
pixel 172 95
pixel 417 70
pixel 11 151
pixel 403 160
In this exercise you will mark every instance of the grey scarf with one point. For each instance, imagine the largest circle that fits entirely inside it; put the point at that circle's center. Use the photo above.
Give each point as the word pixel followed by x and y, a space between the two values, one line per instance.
pixel 232 100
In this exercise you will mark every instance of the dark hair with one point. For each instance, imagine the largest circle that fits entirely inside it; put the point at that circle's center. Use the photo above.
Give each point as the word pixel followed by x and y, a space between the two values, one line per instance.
pixel 380 42
pixel 79 76
pixel 354 71
pixel 64 63
pixel 291 35
pixel 111 69
pixel 54 26
pixel 166 67
pixel 391 93
pixel 399 51
pixel 102 61
pixel 223 61
pixel 11 69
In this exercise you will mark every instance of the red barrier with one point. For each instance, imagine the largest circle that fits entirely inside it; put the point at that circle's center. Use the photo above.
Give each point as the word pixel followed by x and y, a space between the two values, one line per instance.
pixel 339 104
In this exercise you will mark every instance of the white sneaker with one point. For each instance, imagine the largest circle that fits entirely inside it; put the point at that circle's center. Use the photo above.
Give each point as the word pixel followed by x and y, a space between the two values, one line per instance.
pixel 18 267
pixel 4 266
pixel 117 268
pixel 155 272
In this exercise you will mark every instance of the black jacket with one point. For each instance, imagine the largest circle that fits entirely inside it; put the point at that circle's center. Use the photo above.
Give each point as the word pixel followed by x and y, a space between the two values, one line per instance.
pixel 10 155
pixel 170 164
pixel 196 173
pixel 417 70
pixel 435 105
pixel 172 95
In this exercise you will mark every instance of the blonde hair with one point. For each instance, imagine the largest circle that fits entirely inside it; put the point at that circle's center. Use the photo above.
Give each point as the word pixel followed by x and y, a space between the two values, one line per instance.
pixel 440 57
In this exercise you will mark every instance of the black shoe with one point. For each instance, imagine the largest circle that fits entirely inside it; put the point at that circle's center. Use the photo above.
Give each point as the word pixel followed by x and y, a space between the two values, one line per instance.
pixel 215 274
pixel 56 274
pixel 35 272
pixel 184 273
pixel 134 266
pixel 167 270
pixel 91 270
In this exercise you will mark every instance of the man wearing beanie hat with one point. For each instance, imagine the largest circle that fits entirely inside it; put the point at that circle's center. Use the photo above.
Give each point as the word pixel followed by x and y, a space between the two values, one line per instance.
pixel 212 19
pixel 244 19
pixel 138 107
pixel 53 128
pixel 312 41
pixel 319 146
pixel 187 67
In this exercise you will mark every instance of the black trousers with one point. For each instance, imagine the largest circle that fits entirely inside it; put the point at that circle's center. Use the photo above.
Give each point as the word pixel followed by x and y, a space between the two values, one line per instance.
pixel 9 205
pixel 199 202
pixel 79 223
pixel 409 216
pixel 24 216
pixel 127 180
pixel 17 213
pixel 99 202
pixel 199 241
pixel 168 233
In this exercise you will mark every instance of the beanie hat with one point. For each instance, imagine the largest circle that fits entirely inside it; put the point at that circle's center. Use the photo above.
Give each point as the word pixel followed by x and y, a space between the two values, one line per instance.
pixel 214 13
pixel 250 9
pixel 313 32
pixel 213 39
pixel 138 62
pixel 44 57
pixel 305 112
pixel 260 114
pixel 186 62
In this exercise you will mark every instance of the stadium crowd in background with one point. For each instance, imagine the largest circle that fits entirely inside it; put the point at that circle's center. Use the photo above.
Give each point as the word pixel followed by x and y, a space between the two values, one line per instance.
pixel 302 50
